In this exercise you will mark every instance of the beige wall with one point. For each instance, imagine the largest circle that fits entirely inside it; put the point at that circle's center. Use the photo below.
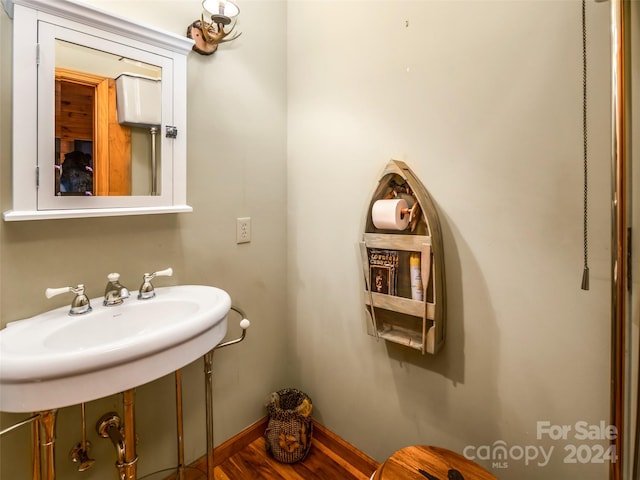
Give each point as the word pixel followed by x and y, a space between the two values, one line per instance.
pixel 237 153
pixel 483 100
pixel 292 124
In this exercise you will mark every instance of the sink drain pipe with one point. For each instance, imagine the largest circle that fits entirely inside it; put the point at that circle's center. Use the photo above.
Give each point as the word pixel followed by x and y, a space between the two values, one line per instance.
pixel 123 437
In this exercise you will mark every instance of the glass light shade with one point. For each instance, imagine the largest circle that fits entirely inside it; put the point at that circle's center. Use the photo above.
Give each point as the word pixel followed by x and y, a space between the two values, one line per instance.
pixel 223 8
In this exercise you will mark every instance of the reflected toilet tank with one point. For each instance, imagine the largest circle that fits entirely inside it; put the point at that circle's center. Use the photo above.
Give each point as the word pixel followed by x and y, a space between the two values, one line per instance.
pixel 138 100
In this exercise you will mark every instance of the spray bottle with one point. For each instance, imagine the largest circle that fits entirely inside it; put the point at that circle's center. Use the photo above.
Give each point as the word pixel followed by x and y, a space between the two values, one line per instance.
pixel 416 278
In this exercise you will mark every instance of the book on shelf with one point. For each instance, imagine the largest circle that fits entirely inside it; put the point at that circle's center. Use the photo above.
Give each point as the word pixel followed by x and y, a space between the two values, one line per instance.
pixel 383 267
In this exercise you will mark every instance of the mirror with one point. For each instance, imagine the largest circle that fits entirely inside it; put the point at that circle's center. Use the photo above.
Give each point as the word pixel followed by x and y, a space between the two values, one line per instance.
pixel 103 144
pixel 109 96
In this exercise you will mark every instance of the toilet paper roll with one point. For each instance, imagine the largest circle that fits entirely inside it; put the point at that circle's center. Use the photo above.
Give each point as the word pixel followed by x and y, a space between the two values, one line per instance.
pixel 387 214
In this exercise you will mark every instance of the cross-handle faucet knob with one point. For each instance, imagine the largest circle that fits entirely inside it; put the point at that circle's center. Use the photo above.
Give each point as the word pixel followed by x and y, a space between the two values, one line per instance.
pixel 146 289
pixel 79 305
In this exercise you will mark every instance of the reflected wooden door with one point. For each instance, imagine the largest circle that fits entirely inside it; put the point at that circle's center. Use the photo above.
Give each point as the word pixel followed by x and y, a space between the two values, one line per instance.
pixel 86 111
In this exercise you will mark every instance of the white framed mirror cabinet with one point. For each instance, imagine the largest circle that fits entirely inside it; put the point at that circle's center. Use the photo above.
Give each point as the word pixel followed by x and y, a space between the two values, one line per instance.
pixel 99 113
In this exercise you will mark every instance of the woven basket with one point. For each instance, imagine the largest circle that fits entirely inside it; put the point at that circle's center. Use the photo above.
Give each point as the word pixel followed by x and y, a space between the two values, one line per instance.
pixel 288 433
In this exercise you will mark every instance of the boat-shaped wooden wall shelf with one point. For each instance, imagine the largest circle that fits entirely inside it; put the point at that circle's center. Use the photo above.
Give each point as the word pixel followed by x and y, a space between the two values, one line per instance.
pixel 392 313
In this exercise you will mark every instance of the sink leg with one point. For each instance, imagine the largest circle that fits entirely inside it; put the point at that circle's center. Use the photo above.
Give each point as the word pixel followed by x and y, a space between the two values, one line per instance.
pixel 208 396
pixel 130 457
pixel 180 429
pixel 37 469
pixel 48 423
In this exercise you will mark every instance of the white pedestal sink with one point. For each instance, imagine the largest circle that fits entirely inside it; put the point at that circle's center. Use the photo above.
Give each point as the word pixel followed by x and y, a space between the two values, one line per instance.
pixel 54 360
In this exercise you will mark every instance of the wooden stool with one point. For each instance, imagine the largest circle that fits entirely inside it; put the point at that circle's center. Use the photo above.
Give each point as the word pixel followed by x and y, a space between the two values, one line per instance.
pixel 406 463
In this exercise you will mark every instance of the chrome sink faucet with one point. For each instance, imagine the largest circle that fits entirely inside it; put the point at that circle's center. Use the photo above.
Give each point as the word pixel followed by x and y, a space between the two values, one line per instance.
pixel 146 289
pixel 114 292
pixel 80 303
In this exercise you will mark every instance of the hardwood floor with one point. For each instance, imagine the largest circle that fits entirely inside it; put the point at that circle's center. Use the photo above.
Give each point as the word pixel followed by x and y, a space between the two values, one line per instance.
pixel 244 458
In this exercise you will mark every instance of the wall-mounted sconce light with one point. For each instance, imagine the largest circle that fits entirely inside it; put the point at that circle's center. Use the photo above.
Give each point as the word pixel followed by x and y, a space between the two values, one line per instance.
pixel 208 35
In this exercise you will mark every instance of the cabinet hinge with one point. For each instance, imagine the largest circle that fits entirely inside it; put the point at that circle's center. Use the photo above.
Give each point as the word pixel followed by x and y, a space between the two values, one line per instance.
pixel 37 54
pixel 37 176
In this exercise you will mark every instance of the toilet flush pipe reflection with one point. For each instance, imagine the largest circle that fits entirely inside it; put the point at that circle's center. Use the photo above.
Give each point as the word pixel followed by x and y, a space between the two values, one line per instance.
pixel 154 170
